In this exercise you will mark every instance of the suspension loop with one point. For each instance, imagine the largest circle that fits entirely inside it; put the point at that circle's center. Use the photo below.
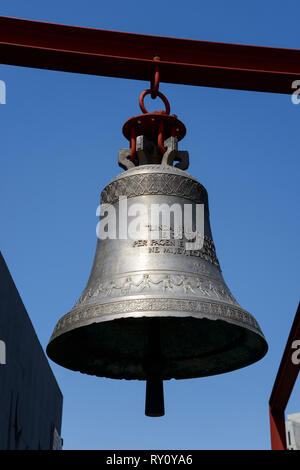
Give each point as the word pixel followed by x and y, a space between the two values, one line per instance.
pixel 155 83
pixel 155 127
pixel 133 144
pixel 160 95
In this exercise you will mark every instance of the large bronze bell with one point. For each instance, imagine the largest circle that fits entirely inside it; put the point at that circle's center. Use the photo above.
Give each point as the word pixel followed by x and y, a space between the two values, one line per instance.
pixel 151 309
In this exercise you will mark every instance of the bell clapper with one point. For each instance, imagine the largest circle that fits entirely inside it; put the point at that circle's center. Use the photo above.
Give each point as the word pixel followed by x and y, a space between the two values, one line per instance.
pixel 154 405
pixel 153 366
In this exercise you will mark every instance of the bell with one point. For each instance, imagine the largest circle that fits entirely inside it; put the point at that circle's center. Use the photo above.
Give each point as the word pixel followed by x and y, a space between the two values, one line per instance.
pixel 154 308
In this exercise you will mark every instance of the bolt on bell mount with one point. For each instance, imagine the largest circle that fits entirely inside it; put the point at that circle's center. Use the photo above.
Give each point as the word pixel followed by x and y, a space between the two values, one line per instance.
pixel 153 310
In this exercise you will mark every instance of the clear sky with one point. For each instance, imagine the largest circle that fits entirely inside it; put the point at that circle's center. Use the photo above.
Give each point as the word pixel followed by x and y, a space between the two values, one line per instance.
pixel 60 136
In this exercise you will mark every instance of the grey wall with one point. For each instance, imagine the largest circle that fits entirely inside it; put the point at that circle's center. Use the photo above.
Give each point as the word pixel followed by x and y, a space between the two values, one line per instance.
pixel 30 399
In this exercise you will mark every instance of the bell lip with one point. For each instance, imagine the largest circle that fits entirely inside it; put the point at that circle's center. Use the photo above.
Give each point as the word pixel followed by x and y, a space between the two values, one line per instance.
pixel 254 335
pixel 250 323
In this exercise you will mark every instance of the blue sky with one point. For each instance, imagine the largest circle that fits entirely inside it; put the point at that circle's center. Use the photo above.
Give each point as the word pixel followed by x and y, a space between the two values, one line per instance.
pixel 60 135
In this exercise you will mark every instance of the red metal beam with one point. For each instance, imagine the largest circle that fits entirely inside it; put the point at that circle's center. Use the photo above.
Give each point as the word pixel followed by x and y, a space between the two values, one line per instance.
pixel 283 386
pixel 116 54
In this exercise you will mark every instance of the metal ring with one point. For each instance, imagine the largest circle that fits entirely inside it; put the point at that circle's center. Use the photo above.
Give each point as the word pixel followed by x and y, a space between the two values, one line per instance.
pixel 161 96
pixel 155 83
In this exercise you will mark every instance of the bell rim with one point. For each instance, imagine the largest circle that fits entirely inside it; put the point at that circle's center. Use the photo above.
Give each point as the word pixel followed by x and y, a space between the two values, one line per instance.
pixel 252 334
pixel 184 307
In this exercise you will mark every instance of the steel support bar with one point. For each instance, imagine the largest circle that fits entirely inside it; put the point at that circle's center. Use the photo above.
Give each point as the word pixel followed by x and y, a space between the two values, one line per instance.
pixel 125 55
pixel 283 386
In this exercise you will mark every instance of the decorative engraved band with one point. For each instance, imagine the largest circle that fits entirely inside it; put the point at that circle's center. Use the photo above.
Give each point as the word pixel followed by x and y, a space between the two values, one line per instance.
pixel 147 307
pixel 153 184
pixel 163 283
